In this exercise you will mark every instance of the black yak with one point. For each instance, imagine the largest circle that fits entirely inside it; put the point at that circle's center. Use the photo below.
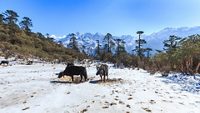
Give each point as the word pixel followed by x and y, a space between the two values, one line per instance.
pixel 102 71
pixel 4 62
pixel 74 70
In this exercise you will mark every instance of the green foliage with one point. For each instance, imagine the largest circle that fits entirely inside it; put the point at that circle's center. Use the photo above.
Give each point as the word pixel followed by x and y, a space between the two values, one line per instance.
pixel 126 59
pixel 98 53
pixel 171 43
pixel 120 46
pixel 109 45
pixel 11 17
pixel 1 18
pixel 25 24
pixel 181 55
pixel 73 43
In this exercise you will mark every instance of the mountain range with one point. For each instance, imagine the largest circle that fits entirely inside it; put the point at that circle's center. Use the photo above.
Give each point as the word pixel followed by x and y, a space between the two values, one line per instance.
pixel 154 40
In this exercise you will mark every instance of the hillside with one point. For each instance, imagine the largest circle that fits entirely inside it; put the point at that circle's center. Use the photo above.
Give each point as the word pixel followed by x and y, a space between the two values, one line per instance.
pixel 19 44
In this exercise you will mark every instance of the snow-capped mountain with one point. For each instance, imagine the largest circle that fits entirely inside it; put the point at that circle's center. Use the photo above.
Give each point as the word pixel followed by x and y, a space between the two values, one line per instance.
pixel 154 40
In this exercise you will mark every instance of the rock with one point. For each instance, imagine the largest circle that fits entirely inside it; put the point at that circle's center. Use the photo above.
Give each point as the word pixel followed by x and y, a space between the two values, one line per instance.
pixel 146 109
pixel 152 102
pixel 105 107
pixel 121 102
pixel 84 110
pixel 26 108
pixel 128 106
pixel 130 98
pixel 111 104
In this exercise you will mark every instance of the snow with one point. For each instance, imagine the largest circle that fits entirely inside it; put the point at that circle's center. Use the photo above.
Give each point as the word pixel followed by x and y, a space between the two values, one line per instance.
pixel 28 89
pixel 186 83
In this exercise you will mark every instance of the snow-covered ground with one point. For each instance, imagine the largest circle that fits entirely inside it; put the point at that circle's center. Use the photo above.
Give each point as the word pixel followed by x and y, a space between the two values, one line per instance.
pixel 29 89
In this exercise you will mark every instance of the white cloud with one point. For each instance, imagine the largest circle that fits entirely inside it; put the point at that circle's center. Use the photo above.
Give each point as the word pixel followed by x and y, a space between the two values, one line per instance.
pixel 58 37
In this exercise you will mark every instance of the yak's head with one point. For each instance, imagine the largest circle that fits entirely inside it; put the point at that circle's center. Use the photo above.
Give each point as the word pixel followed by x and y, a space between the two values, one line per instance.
pixel 99 71
pixel 60 75
pixel 70 64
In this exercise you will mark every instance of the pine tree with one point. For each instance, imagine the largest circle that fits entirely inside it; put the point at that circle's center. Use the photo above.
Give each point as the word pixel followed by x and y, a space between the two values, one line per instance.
pixel 73 43
pixel 11 17
pixel 25 24
pixel 171 43
pixel 140 42
pixel 148 51
pixel 1 18
pixel 109 43
pixel 170 47
pixel 120 46
pixel 98 49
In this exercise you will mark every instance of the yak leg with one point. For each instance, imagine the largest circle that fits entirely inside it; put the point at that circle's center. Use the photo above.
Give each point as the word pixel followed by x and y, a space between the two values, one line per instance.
pixel 72 78
pixel 101 77
pixel 81 78
pixel 107 76
pixel 104 78
pixel 85 78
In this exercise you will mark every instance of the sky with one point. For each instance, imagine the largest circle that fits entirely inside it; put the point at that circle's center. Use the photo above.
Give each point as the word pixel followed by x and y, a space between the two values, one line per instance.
pixel 118 17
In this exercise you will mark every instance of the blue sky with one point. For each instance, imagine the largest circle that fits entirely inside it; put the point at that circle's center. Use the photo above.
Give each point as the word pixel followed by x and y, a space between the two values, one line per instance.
pixel 118 17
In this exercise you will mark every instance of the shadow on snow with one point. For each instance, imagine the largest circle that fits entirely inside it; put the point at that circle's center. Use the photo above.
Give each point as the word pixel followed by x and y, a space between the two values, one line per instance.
pixel 187 83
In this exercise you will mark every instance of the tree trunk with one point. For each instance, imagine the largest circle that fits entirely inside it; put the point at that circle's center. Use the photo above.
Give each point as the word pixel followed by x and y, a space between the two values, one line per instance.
pixel 197 68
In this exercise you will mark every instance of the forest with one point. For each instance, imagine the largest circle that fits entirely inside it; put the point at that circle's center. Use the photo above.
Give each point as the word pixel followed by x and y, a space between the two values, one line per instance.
pixel 180 54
